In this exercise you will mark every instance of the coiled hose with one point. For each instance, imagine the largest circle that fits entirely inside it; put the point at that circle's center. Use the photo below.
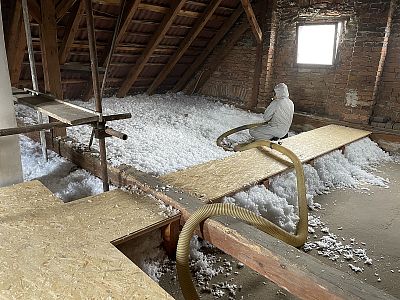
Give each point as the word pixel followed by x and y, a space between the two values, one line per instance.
pixel 217 209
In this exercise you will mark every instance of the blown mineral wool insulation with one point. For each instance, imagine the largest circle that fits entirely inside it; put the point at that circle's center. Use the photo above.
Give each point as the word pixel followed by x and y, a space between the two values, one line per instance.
pixel 174 131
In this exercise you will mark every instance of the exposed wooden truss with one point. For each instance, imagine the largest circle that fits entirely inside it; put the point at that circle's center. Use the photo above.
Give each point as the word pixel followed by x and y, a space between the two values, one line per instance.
pixel 252 20
pixel 190 37
pixel 210 47
pixel 168 39
pixel 70 31
pixel 151 46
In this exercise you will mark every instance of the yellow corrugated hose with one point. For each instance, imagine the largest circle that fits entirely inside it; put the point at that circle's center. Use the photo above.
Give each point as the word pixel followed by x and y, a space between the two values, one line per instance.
pixel 210 210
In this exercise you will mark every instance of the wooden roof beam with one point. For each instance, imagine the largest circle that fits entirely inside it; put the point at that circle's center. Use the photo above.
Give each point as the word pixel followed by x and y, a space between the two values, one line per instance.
pixel 190 37
pixel 219 57
pixel 126 19
pixel 252 20
pixel 34 10
pixel 210 47
pixel 63 7
pixel 151 47
pixel 72 28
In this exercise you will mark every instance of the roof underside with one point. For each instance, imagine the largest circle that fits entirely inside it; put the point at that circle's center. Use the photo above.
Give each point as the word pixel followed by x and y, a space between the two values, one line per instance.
pixel 141 30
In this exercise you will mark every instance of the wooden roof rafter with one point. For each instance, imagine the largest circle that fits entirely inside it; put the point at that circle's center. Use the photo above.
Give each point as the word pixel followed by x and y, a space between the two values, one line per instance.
pixel 190 37
pixel 151 47
pixel 255 28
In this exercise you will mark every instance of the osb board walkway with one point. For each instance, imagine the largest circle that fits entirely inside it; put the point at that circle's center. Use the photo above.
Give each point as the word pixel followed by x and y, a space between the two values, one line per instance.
pixel 57 109
pixel 218 178
pixel 53 250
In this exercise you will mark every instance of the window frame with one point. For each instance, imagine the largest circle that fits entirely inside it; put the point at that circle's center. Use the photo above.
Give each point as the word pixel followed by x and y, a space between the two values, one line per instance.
pixel 335 49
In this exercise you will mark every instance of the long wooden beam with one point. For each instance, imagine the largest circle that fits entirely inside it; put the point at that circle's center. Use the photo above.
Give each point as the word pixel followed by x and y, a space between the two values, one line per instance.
pixel 16 44
pixel 150 48
pixel 63 7
pixel 219 57
pixel 252 20
pixel 262 10
pixel 295 271
pixel 210 47
pixel 132 8
pixel 70 31
pixel 51 64
pixel 127 17
pixel 190 37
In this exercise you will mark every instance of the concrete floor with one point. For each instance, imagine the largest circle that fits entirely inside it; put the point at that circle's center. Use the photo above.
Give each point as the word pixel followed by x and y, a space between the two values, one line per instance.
pixel 372 217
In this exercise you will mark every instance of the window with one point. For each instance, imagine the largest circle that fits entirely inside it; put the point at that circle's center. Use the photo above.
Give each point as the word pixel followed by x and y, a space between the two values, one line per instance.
pixel 317 44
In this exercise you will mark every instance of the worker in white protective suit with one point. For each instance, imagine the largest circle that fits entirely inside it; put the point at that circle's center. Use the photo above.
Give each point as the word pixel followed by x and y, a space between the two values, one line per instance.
pixel 279 115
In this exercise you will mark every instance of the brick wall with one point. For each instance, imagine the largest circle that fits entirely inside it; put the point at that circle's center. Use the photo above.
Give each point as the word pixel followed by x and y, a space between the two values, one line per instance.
pixel 344 91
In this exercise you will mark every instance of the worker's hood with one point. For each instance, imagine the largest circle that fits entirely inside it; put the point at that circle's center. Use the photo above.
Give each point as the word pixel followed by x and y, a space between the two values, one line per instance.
pixel 281 91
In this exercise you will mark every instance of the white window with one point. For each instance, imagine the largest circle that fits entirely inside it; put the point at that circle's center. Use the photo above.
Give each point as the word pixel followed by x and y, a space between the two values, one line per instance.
pixel 317 44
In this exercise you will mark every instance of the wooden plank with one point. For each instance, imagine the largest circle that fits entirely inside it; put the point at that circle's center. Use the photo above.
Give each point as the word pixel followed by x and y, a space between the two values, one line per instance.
pixel 247 244
pixel 219 178
pixel 59 111
pixel 150 48
pixel 190 37
pixel 63 6
pixel 255 28
pixel 70 31
pixel 210 47
pixel 71 243
pixel 16 44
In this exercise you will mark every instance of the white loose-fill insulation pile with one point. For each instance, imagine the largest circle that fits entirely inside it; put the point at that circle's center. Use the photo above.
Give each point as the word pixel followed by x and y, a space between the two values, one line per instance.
pixel 59 175
pixel 174 131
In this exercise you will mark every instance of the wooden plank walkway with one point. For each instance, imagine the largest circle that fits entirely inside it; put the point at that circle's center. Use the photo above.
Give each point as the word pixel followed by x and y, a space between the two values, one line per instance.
pixel 54 250
pixel 60 110
pixel 218 178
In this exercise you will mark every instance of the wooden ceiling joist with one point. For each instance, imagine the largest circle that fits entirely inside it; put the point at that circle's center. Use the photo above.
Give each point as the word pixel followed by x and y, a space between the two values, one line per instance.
pixel 190 37
pixel 151 47
pixel 255 28
pixel 62 8
pixel 70 31
pixel 210 47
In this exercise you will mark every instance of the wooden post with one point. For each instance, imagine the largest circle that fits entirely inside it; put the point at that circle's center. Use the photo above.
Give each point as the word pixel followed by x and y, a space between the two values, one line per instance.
pixel 170 234
pixel 16 44
pixel 51 64
pixel 96 89
pixel 259 59
pixel 63 6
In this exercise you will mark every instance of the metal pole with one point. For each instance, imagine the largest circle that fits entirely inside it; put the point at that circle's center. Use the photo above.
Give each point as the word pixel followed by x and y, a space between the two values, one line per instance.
pixel 33 72
pixel 96 90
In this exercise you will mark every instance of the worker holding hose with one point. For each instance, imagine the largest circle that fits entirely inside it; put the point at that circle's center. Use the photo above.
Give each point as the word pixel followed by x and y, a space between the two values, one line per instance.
pixel 278 116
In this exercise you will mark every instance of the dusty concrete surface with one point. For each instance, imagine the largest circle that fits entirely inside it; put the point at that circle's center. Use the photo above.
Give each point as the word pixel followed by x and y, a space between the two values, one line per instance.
pixel 372 217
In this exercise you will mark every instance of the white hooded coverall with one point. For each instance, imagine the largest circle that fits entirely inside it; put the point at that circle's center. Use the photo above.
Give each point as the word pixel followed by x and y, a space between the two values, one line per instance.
pixel 279 115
